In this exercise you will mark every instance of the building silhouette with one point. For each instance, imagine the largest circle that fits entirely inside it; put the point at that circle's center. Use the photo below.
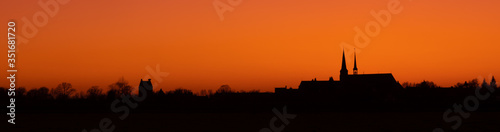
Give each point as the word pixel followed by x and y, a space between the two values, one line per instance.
pixel 145 86
pixel 362 87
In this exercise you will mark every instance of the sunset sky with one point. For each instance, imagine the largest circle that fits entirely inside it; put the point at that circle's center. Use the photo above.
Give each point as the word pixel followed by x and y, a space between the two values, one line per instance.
pixel 261 44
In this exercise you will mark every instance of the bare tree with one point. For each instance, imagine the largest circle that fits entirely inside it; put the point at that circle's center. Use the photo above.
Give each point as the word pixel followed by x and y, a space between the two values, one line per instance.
pixel 459 85
pixel 94 92
pixel 408 84
pixel 210 92
pixel 121 86
pixel 54 92
pixel 224 89
pixel 79 95
pixel 203 92
pixel 44 92
pixel 63 90
pixel 38 94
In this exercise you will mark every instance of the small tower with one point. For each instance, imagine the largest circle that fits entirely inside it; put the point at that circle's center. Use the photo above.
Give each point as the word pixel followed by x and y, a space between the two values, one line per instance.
pixel 355 69
pixel 145 88
pixel 343 71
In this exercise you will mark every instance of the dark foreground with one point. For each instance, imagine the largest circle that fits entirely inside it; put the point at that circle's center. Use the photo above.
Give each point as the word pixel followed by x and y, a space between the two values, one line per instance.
pixel 420 110
pixel 254 122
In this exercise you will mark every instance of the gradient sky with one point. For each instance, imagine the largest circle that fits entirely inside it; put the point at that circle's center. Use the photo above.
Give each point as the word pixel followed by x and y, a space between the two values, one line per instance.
pixel 261 44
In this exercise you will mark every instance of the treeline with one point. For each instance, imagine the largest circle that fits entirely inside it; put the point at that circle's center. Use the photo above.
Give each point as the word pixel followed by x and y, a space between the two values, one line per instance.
pixel 416 96
pixel 65 98
pixel 474 83
pixel 66 91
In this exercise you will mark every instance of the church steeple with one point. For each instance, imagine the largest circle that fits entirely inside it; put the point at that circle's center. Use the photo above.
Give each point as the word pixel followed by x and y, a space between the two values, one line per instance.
pixel 343 71
pixel 355 69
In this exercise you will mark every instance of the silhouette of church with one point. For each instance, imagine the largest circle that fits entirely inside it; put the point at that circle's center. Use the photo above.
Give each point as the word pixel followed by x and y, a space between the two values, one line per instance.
pixel 375 87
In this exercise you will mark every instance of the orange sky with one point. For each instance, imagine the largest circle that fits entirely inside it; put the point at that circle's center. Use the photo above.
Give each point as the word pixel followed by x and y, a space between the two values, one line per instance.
pixel 261 44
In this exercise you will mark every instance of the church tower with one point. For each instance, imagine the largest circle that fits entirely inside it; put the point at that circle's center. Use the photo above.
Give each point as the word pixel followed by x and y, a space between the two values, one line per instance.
pixel 343 71
pixel 355 69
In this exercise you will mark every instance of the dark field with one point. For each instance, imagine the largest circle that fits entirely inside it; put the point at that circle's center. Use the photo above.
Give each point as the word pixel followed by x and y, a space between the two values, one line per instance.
pixel 253 122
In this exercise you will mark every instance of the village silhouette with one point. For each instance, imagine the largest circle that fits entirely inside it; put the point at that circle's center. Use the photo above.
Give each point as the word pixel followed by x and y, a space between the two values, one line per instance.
pixel 351 93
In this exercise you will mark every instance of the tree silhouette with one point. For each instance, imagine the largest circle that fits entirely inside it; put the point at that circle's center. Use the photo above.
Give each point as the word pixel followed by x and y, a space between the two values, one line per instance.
pixel 181 91
pixel 408 84
pixel 112 94
pixel 255 91
pixel 210 92
pixel 472 84
pixel 80 95
pixel 160 93
pixel 203 92
pixel 459 85
pixel 493 82
pixel 63 90
pixel 467 84
pixel 484 84
pixel 32 93
pixel 38 94
pixel 121 86
pixel 427 84
pixel 20 91
pixel 223 89
pixel 94 92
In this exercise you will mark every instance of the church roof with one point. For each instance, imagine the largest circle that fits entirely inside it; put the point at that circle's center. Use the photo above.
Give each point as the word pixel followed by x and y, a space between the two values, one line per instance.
pixel 384 80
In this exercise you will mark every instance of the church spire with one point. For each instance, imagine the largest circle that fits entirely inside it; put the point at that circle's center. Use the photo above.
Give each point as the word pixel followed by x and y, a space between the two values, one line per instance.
pixel 355 69
pixel 343 71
